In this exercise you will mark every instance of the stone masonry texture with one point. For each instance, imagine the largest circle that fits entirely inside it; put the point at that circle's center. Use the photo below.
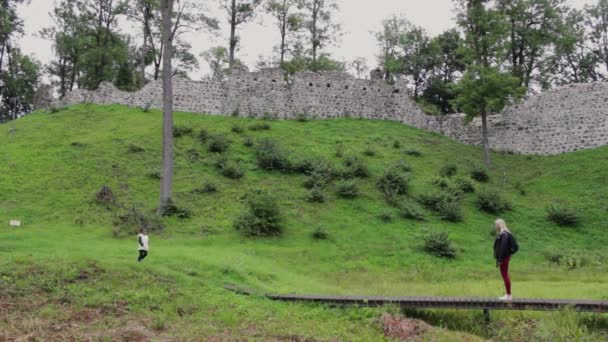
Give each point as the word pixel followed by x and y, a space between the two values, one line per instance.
pixel 565 119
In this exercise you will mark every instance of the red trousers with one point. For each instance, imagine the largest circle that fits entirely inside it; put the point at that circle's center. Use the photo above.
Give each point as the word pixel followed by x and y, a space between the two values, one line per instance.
pixel 504 271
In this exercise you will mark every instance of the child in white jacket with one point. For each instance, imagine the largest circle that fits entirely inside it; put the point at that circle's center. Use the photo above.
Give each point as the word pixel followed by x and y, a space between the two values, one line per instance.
pixel 142 244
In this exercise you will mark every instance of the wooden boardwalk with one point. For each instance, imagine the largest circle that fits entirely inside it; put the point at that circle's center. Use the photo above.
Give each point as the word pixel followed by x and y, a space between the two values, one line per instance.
pixel 486 304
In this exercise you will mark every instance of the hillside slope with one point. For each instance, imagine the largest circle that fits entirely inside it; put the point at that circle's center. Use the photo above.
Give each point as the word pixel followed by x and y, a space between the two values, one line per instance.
pixel 52 164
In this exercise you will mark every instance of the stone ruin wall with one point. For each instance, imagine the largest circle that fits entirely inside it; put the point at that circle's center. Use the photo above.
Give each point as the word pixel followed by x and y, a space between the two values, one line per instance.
pixel 564 119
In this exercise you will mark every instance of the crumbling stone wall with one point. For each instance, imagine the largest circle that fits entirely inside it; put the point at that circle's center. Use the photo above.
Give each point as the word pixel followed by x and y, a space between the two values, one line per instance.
pixel 561 120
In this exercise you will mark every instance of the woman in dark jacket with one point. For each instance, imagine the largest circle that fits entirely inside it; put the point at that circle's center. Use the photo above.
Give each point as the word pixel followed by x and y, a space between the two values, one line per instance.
pixel 504 247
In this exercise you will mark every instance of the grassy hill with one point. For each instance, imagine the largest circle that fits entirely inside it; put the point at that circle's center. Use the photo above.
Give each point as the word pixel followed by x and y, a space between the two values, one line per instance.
pixel 66 262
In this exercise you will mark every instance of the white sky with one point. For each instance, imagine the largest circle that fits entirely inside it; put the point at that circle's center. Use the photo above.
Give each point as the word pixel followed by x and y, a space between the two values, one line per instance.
pixel 357 17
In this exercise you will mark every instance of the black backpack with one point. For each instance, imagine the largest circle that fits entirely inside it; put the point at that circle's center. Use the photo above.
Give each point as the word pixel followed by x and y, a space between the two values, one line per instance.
pixel 513 246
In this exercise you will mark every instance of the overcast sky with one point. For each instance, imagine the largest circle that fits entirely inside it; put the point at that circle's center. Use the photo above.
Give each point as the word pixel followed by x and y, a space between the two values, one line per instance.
pixel 357 17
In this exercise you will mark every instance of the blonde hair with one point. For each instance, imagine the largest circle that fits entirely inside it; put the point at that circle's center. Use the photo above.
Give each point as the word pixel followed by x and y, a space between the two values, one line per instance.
pixel 502 225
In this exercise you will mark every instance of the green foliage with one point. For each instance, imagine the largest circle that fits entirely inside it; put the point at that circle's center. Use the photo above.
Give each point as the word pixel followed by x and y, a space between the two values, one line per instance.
pixel 386 216
pixel 132 219
pixel 261 219
pixel 135 149
pixel 18 88
pixel 237 129
pixel 450 211
pixel 302 117
pixel 438 243
pixel 230 169
pixel 369 152
pixel 316 195
pixel 409 209
pixel 348 188
pixel 172 210
pixel 413 153
pixel 445 203
pixel 260 126
pixel 218 143
pixel 464 185
pixel 271 156
pixel 448 170
pixel 492 202
pixel 203 136
pixel 396 144
pixel 393 182
pixel 154 173
pixel 180 131
pixel 480 174
pixel 248 141
pixel 562 215
pixel 354 167
pixel 320 233
pixel 207 188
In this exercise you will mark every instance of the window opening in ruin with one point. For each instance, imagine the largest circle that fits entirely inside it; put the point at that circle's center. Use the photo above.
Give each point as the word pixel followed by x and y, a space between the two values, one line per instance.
pixel 310 84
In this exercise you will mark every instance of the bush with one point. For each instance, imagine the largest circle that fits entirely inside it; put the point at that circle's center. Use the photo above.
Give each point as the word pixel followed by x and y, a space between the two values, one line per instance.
pixel 262 218
pixel 393 182
pixel 445 204
pixel 369 152
pixel 438 244
pixel 135 149
pixel 218 143
pixel 386 217
pixel 320 234
pixel 450 211
pixel 171 210
pixel 480 174
pixel 260 126
pixel 441 183
pixel 562 215
pixel 180 131
pixel 129 222
pixel 302 117
pixel 396 144
pixel 465 185
pixel 154 173
pixel 491 202
pixel 348 188
pixel 316 180
pixel 402 165
pixel 316 195
pixel 203 136
pixel 271 156
pixel 248 141
pixel 354 168
pixel 411 210
pixel 230 169
pixel 448 170
pixel 207 188
pixel 237 129
pixel 413 153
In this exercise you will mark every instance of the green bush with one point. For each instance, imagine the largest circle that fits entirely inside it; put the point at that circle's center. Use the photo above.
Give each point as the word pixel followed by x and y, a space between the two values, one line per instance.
pixel 393 182
pixel 448 170
pixel 480 174
pixel 218 143
pixel 260 126
pixel 133 219
pixel 320 234
pixel 348 188
pixel 316 195
pixel 465 185
pixel 302 117
pixel 317 179
pixel 135 149
pixel 180 131
pixel 271 156
pixel 154 173
pixel 237 129
pixel 354 167
pixel 248 141
pixel 450 211
pixel 445 203
pixel 396 144
pixel 562 215
pixel 203 136
pixel 369 152
pixel 172 210
pixel 438 244
pixel 232 170
pixel 413 153
pixel 491 202
pixel 402 165
pixel 386 217
pixel 262 217
pixel 207 188
pixel 410 210
pixel 441 183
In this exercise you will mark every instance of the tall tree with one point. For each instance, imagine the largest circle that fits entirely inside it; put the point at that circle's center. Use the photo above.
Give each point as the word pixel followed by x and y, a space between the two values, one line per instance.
pixel 484 89
pixel 388 38
pixel 597 20
pixel 289 22
pixel 532 26
pixel 359 65
pixel 19 81
pixel 144 12
pixel 166 183
pixel 188 16
pixel 217 58
pixel 239 12
pixel 322 29
pixel 572 60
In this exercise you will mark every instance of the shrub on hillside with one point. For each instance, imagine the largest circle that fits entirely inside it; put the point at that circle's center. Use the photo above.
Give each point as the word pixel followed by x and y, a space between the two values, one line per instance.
pixel 348 188
pixel 410 210
pixel 261 219
pixel 386 217
pixel 207 188
pixel 369 152
pixel 154 173
pixel 480 174
pixel 316 195
pixel 402 165
pixel 218 143
pixel 260 126
pixel 271 156
pixel 320 234
pixel 393 182
pixel 562 215
pixel 450 211
pixel 203 136
pixel 317 179
pixel 302 117
pixel 135 149
pixel 133 219
pixel 248 141
pixel 448 170
pixel 441 182
pixel 413 153
pixel 396 144
pixel 230 169
pixel 180 131
pixel 354 167
pixel 172 210
pixel 438 244
pixel 465 185
pixel 237 129
pixel 445 203
pixel 491 202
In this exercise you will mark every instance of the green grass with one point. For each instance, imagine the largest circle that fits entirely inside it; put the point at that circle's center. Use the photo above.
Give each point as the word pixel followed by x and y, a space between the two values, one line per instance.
pixel 51 166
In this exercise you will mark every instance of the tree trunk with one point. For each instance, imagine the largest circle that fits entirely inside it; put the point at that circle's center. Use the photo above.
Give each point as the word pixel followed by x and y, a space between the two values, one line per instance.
pixel 166 183
pixel 484 139
pixel 283 34
pixel 144 53
pixel 233 39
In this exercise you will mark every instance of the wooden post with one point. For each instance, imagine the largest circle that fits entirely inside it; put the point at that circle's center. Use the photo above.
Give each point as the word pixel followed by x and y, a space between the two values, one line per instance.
pixel 486 317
